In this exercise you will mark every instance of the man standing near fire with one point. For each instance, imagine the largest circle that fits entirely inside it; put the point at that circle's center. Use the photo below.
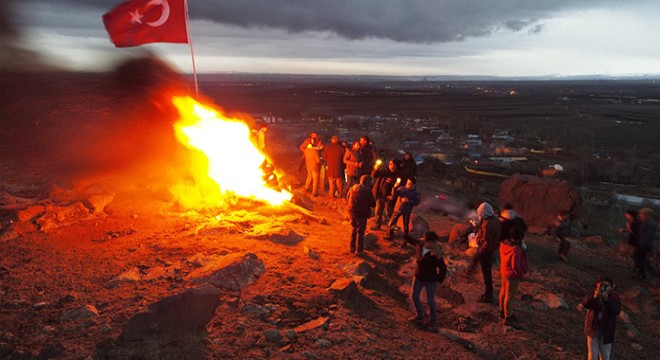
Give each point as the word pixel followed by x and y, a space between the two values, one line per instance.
pixel 360 202
pixel 310 148
pixel 334 159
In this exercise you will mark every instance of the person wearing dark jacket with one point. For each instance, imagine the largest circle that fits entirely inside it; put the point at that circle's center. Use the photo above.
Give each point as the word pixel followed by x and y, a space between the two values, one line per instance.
pixel 430 269
pixel 488 242
pixel 368 152
pixel 600 322
pixel 385 180
pixel 513 266
pixel 360 202
pixel 647 238
pixel 334 159
pixel 407 197
pixel 408 168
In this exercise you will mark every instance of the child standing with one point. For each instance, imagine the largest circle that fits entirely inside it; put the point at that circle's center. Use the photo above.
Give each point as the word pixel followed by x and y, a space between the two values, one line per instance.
pixel 430 269
pixel 513 266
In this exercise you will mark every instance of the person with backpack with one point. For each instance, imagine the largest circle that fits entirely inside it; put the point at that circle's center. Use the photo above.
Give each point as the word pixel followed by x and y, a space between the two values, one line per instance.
pixel 488 242
pixel 513 266
pixel 360 203
pixel 430 269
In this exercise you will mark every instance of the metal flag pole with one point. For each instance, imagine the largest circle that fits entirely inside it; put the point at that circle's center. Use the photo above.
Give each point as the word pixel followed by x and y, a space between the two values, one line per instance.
pixel 192 52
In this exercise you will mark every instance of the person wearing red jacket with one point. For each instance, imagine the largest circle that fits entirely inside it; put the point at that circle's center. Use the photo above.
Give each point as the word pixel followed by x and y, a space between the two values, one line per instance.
pixel 513 266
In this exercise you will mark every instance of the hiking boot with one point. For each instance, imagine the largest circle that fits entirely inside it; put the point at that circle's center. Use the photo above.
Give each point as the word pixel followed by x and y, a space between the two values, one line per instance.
pixel 416 321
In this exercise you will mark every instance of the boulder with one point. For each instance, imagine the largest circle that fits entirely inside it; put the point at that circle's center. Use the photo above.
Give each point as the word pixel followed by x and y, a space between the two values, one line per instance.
pixel 56 216
pixel 188 311
pixel 343 288
pixel 98 202
pixel 538 200
pixel 81 313
pixel 321 322
pixel 551 300
pixel 30 212
pixel 231 272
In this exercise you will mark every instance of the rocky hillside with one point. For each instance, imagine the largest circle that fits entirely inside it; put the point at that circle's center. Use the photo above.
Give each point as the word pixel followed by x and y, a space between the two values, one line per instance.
pixel 93 267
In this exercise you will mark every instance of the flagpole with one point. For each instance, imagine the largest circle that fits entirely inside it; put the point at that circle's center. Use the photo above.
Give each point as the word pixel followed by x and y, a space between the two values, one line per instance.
pixel 192 52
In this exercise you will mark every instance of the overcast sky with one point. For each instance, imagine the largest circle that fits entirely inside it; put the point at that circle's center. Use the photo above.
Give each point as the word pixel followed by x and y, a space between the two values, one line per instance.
pixel 383 37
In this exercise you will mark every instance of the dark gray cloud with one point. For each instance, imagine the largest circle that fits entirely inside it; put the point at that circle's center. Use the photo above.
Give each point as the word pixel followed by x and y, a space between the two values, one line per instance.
pixel 415 21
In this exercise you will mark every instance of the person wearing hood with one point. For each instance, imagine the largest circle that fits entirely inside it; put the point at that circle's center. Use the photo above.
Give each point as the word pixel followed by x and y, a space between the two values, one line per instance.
pixel 430 269
pixel 488 241
pixel 360 202
pixel 408 168
pixel 509 219
pixel 513 266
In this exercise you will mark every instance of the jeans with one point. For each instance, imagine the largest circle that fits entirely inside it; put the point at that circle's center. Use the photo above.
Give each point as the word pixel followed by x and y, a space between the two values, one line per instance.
pixel 597 349
pixel 358 227
pixel 312 180
pixel 430 298
pixel 406 221
pixel 335 184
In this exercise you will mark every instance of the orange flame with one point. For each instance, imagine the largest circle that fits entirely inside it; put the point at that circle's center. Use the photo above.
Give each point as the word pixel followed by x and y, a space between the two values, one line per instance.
pixel 231 160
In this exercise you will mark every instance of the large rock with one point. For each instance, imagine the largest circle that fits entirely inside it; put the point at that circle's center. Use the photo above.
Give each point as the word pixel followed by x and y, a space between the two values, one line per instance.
pixel 56 216
pixel 188 311
pixel 232 272
pixel 538 199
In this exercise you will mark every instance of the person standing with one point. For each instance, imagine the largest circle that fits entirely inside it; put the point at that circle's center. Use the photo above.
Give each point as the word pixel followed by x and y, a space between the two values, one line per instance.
pixel 647 238
pixel 560 230
pixel 353 162
pixel 360 202
pixel 261 137
pixel 385 180
pixel 368 152
pixel 600 322
pixel 488 241
pixel 310 148
pixel 408 168
pixel 407 197
pixel 513 266
pixel 430 269
pixel 334 159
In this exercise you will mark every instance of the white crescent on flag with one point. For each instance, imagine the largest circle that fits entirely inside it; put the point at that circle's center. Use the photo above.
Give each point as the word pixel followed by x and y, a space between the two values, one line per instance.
pixel 164 15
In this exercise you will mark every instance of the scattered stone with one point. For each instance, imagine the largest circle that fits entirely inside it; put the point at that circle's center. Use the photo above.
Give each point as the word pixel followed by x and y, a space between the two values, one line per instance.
pixel 273 336
pixel 81 313
pixel 358 268
pixel 98 202
pixel 105 328
pixel 30 213
pixel 232 272
pixel 631 330
pixel 323 343
pixel 321 322
pixel 40 305
pixel 308 355
pixel 343 288
pixel 188 311
pixel 291 334
pixel 68 298
pixel 637 346
pixel 256 309
pixel 57 216
pixel 131 275
pixel 48 329
pixel 311 253
pixel 553 301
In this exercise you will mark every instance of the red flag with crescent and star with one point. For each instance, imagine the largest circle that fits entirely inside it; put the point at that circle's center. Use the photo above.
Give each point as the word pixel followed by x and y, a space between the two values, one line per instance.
pixel 137 22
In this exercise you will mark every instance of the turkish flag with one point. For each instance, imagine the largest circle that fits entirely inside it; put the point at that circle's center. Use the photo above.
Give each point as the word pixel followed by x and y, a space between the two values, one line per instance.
pixel 137 22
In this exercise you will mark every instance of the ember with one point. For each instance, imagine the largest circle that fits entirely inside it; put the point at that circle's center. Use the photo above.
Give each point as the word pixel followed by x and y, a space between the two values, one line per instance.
pixel 228 163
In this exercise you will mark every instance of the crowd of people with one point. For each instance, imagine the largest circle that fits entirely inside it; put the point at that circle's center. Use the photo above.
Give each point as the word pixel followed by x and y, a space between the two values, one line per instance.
pixel 387 192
